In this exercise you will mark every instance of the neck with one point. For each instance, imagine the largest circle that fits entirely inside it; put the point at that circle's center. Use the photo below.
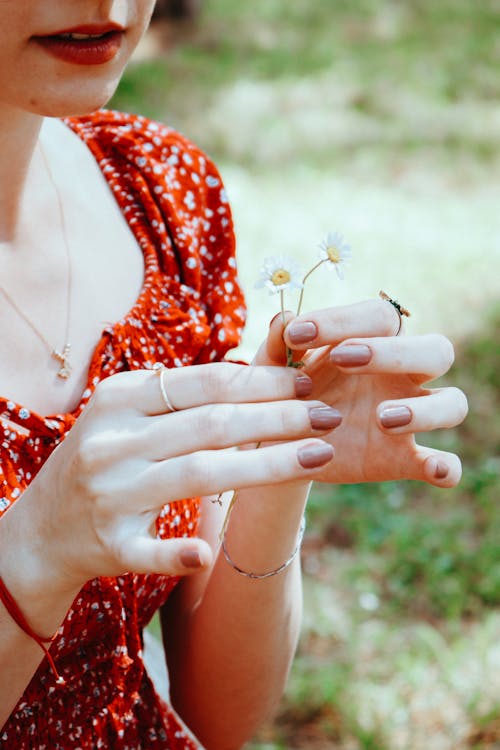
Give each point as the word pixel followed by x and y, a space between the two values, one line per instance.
pixel 19 133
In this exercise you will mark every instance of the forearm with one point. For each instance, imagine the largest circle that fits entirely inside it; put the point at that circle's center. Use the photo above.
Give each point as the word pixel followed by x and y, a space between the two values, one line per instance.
pixel 42 599
pixel 230 656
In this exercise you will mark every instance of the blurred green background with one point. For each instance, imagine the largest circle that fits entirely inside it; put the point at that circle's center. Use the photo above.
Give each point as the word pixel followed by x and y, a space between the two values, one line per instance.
pixel 380 119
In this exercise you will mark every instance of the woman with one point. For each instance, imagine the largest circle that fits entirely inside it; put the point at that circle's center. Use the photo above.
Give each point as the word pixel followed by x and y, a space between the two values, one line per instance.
pixel 117 253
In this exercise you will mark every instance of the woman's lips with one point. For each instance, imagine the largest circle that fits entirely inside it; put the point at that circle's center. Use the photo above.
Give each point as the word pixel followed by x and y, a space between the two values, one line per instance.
pixel 83 47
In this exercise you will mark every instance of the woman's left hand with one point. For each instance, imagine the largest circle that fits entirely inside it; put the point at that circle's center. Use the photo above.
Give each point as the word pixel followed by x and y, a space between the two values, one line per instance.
pixel 377 380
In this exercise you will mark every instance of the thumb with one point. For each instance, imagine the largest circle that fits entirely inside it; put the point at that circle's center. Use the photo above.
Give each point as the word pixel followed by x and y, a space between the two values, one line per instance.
pixel 272 351
pixel 175 557
pixel 440 468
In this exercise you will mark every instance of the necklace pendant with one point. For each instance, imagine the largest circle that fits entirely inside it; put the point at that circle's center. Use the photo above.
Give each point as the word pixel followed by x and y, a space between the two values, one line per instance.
pixel 63 357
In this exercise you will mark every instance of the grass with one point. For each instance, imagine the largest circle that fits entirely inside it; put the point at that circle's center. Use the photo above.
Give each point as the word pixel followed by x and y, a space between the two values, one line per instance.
pixel 372 54
pixel 426 634
pixel 376 118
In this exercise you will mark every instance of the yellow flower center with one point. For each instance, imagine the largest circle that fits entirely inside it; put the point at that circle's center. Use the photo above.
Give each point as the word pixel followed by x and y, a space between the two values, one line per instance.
pixel 333 254
pixel 280 277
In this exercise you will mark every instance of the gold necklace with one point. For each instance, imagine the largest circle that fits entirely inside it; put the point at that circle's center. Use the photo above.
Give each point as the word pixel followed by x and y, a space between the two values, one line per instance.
pixel 62 355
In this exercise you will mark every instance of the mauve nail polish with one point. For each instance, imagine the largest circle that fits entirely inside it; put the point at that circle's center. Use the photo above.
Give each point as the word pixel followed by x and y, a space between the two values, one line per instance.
pixel 312 456
pixel 351 355
pixel 302 332
pixel 303 386
pixel 324 418
pixel 395 416
pixel 190 558
pixel 441 470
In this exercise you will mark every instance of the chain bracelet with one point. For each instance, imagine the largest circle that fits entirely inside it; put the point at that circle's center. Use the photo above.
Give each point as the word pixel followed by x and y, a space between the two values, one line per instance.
pixel 270 573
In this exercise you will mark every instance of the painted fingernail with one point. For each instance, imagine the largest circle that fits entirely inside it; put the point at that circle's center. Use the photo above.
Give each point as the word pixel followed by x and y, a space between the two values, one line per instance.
pixel 190 558
pixel 302 332
pixel 441 470
pixel 273 319
pixel 314 455
pixel 395 416
pixel 303 385
pixel 324 417
pixel 351 355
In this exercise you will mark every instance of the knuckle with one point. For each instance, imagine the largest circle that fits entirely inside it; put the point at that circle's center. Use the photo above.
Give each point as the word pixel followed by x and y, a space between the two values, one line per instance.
pixel 93 488
pixel 213 381
pixel 105 512
pixel 386 317
pixel 104 394
pixel 266 383
pixel 273 384
pixel 200 470
pixel 281 467
pixel 394 352
pixel 90 453
pixel 123 553
pixel 216 422
pixel 280 382
pixel 292 420
pixel 163 560
pixel 128 440
pixel 341 324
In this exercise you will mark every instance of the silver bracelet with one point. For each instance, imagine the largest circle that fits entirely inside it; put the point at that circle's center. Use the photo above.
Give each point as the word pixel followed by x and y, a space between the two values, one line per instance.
pixel 259 576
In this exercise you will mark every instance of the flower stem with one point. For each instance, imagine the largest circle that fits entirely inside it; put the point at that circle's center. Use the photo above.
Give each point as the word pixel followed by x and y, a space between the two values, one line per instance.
pixel 301 298
pixel 222 532
pixel 282 303
pixel 289 353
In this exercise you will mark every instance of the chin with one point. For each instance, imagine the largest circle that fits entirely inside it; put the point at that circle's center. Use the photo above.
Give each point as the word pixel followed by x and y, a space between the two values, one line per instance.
pixel 74 104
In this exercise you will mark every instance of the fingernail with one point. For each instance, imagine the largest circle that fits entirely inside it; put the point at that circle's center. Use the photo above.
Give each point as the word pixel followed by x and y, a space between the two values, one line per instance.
pixel 311 456
pixel 395 416
pixel 302 332
pixel 324 417
pixel 278 315
pixel 351 355
pixel 190 558
pixel 303 385
pixel 441 470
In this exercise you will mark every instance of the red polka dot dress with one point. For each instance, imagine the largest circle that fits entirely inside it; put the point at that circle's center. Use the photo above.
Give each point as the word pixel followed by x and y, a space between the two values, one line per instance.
pixel 190 310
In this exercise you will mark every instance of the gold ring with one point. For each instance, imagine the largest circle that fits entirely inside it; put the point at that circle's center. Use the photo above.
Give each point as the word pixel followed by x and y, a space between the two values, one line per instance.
pixel 399 309
pixel 160 370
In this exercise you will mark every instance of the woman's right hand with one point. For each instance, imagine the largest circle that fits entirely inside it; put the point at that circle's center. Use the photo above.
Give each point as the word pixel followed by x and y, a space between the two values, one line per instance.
pixel 93 506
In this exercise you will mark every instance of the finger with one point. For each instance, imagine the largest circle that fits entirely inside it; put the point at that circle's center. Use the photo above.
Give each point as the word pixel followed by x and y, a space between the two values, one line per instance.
pixel 225 382
pixel 335 324
pixel 427 356
pixel 273 350
pixel 227 425
pixel 441 408
pixel 212 472
pixel 187 387
pixel 175 557
pixel 439 468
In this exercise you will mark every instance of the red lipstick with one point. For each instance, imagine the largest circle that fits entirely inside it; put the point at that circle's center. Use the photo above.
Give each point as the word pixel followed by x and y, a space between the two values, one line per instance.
pixel 91 44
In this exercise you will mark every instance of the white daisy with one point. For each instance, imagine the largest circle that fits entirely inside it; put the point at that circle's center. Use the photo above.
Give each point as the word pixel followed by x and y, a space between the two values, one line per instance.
pixel 335 252
pixel 279 273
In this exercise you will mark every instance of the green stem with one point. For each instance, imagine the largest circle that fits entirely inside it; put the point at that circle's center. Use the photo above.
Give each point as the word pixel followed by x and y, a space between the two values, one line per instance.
pixel 282 302
pixel 289 353
pixel 301 298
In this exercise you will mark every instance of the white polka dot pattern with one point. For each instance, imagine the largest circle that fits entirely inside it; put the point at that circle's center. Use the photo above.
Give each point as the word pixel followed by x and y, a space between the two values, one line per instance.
pixel 190 310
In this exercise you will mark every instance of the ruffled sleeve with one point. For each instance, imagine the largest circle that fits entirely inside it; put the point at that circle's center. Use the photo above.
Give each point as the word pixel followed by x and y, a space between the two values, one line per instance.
pixel 174 201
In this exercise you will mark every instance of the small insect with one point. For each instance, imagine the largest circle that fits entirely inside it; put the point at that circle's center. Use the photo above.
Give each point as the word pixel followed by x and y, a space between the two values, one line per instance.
pixel 401 310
